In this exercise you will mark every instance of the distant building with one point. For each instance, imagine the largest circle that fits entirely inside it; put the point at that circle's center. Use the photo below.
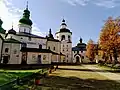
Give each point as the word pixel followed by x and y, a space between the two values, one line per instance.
pixel 78 52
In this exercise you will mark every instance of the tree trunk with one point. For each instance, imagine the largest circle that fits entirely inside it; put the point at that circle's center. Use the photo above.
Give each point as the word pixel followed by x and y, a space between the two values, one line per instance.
pixel 115 55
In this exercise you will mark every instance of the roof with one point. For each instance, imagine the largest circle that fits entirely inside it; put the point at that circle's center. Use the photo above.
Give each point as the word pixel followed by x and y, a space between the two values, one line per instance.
pixel 64 30
pixel 29 35
pixel 37 50
pixel 78 49
pixel 51 39
pixel 11 40
pixel 12 31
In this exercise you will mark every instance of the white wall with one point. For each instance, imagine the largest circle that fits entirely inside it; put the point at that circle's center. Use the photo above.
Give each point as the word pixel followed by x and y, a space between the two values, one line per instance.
pixel 33 57
pixel 24 28
pixel 13 51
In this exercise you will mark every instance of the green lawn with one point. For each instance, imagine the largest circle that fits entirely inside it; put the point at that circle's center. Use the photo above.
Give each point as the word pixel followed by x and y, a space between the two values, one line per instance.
pixel 10 75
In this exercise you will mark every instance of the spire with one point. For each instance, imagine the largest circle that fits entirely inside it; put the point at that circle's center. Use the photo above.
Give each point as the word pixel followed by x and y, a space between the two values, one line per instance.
pixel 50 34
pixel 27 6
pixel 80 40
pixel 26 15
pixel 50 31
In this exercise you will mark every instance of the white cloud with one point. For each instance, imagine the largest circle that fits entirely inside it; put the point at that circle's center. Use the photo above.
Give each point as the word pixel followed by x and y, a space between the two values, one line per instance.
pixel 103 3
pixel 11 14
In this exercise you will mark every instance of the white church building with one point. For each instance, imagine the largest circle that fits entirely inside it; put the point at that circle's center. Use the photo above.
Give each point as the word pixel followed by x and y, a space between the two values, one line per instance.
pixel 23 47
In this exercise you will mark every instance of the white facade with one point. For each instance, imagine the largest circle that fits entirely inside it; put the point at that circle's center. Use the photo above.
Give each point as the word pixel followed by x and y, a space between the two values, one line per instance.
pixel 25 28
pixel 65 36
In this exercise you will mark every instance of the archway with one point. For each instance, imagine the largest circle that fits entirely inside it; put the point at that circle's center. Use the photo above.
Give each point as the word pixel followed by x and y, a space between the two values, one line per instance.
pixel 77 59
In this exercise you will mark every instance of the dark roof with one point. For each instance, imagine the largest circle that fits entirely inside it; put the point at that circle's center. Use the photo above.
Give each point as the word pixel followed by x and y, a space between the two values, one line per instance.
pixel 62 54
pixel 37 50
pixel 78 49
pixel 64 30
pixel 29 35
pixel 11 40
pixel 51 39
pixel 12 31
pixel 81 45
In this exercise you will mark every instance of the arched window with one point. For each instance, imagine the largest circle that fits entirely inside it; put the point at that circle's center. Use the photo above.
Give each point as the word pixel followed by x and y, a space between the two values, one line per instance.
pixel 40 46
pixel 63 37
pixel 6 50
pixel 54 48
pixel 69 37
pixel 49 47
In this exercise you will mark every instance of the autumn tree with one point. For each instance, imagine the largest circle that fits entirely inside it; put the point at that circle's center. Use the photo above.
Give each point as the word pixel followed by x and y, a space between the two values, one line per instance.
pixel 110 38
pixel 90 50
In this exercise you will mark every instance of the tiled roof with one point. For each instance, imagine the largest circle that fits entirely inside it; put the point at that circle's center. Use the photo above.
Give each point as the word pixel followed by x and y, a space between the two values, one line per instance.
pixel 11 40
pixel 29 35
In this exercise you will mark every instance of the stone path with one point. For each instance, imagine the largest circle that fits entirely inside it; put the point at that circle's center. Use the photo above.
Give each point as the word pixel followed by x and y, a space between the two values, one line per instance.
pixel 109 75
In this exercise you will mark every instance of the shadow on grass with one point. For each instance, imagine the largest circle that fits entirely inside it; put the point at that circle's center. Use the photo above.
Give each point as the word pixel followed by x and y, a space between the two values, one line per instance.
pixel 90 70
pixel 74 83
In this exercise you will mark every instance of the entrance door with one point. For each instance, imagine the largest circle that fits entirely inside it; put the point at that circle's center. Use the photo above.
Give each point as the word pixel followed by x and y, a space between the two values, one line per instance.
pixel 39 59
pixel 5 59
pixel 77 59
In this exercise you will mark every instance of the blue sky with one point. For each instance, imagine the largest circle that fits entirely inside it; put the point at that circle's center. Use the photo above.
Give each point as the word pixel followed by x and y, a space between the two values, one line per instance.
pixel 84 18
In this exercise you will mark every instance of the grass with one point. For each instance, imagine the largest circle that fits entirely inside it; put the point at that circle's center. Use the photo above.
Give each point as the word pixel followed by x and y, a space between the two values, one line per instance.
pixel 10 75
pixel 77 78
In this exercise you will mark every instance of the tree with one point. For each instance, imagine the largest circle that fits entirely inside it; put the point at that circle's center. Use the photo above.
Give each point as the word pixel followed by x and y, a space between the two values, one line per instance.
pixel 90 53
pixel 110 38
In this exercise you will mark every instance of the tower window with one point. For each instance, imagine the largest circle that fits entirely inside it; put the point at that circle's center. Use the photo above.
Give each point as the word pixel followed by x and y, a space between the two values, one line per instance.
pixel 77 51
pixel 6 50
pixel 63 37
pixel 63 45
pixel 49 47
pixel 67 45
pixel 63 49
pixel 67 49
pixel 40 46
pixel 29 38
pixel 69 37
pixel 24 30
pixel 24 45
pixel 54 48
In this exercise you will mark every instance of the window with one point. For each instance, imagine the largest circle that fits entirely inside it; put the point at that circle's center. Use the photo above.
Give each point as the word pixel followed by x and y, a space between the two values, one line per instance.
pixel 77 51
pixel 21 38
pixel 67 45
pixel 40 46
pixel 67 49
pixel 63 37
pixel 67 55
pixel 44 57
pixel 63 45
pixel 74 51
pixel 63 49
pixel 24 45
pixel 54 48
pixel 49 47
pixel 81 51
pixel 24 30
pixel 6 50
pixel 57 36
pixel 69 37
pixel 15 51
pixel 29 38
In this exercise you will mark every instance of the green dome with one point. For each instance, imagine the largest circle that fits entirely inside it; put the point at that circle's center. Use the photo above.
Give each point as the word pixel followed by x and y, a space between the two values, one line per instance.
pixel 1 29
pixel 25 19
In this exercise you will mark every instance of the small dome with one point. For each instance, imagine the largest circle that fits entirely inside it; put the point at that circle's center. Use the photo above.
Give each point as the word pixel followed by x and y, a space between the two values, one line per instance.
pixel 25 21
pixel 11 31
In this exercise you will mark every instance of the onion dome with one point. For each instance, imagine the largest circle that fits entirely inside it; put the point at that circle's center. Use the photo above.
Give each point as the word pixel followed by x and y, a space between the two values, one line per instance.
pixel 63 22
pixel 1 29
pixel 25 19
pixel 12 31
pixel 50 34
